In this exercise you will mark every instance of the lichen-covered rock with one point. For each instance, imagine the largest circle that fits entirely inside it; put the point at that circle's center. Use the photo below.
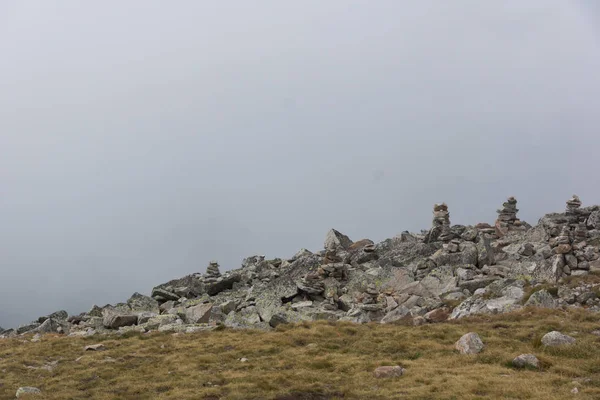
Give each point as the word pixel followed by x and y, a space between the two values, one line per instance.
pixel 541 298
pixel 113 319
pixel 140 302
pixel 470 343
pixel 526 360
pixel 556 338
pixel 199 314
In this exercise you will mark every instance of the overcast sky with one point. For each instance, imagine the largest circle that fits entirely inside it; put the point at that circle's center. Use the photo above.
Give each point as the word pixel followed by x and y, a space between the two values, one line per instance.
pixel 141 139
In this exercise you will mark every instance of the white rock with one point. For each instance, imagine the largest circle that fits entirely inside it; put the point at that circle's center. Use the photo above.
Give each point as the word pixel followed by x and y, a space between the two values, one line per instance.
pixel 556 338
pixel 469 344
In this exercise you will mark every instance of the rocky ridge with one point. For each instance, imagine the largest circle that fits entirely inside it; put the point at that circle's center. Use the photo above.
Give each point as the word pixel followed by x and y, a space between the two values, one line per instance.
pixel 447 272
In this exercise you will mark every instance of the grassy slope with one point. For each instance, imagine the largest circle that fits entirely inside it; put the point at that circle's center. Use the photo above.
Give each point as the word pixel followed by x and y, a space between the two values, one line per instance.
pixel 316 361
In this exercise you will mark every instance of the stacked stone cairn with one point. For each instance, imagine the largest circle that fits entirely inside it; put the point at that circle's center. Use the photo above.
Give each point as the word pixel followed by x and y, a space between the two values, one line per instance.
pixel 440 229
pixel 370 299
pixel 573 205
pixel 312 284
pixel 579 254
pixel 337 271
pixel 507 218
pixel 212 272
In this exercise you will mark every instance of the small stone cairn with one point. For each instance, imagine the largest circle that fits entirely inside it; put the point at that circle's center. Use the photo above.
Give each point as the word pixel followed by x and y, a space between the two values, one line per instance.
pixel 507 218
pixel 440 229
pixel 573 205
pixel 370 299
pixel 212 272
pixel 312 283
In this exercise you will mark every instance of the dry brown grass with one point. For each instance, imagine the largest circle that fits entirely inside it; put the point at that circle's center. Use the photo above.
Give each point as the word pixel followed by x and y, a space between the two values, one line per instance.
pixel 316 361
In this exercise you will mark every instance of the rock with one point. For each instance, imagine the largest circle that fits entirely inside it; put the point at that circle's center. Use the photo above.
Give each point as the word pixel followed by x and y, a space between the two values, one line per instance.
pixel 527 250
pixel 440 280
pixel 556 338
pixel 228 306
pixel 335 241
pixel 49 326
pixel 161 320
pixel 140 302
pixel 164 294
pixel 95 347
pixel 145 316
pixel 199 314
pixel 389 372
pixel 113 319
pixel 541 298
pixel 397 315
pixel 27 390
pixel 475 284
pixel 27 328
pixel 526 360
pixel 224 283
pixel 437 315
pixel 469 344
pixel 562 249
pixel 61 315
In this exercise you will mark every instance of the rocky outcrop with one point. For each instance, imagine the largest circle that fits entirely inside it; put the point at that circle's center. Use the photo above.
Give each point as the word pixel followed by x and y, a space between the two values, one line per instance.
pixel 446 272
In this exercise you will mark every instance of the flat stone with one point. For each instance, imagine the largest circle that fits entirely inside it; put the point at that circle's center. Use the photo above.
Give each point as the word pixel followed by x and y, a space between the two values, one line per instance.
pixel 27 390
pixel 95 347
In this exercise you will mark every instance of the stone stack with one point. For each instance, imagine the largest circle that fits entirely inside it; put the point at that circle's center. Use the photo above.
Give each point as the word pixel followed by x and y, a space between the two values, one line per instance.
pixel 312 283
pixel 562 243
pixel 337 271
pixel 507 218
pixel 212 272
pixel 370 299
pixel 440 229
pixel 573 205
pixel 580 233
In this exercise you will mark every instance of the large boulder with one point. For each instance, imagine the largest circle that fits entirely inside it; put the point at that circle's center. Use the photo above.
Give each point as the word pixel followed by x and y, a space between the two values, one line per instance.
pixel 272 296
pixel 470 343
pixel 440 280
pixel 556 338
pixel 467 254
pixel 163 295
pixel 27 327
pixel 550 270
pixel 199 314
pixel 61 315
pixel 113 319
pixel 140 302
pixel 50 325
pixel 526 360
pixel 225 282
pixel 541 298
pixel 336 240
